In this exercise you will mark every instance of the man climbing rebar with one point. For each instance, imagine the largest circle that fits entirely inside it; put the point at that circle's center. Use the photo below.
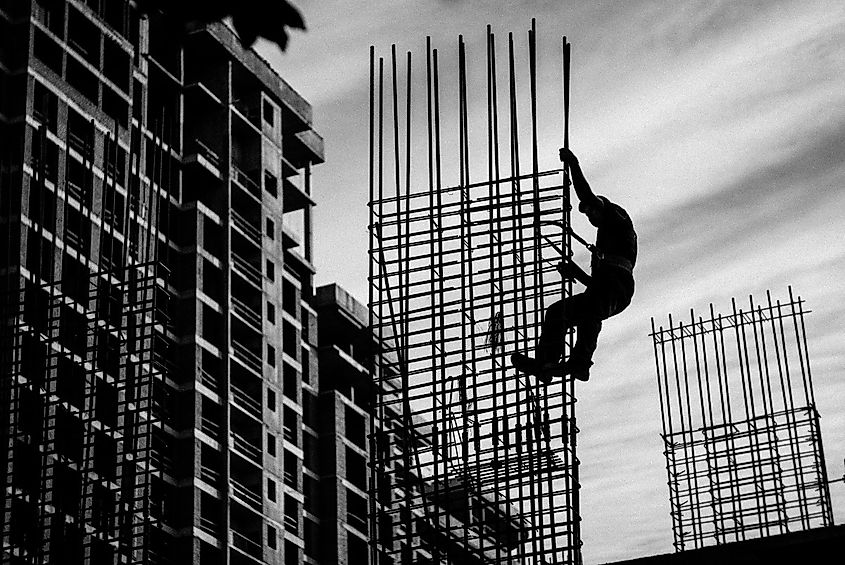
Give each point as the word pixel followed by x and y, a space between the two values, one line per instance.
pixel 609 287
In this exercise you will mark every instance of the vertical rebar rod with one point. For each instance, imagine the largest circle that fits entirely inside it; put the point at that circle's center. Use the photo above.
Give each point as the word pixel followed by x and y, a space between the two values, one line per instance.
pixel 436 274
pixel 376 464
pixel 574 499
pixel 492 331
pixel 692 477
pixel 382 361
pixel 736 501
pixel 401 338
pixel 464 246
pixel 772 455
pixel 750 409
pixel 824 486
pixel 539 303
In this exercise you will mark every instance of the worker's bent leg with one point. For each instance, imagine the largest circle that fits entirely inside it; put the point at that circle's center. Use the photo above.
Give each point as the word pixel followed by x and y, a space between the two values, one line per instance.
pixel 605 299
pixel 586 341
pixel 561 316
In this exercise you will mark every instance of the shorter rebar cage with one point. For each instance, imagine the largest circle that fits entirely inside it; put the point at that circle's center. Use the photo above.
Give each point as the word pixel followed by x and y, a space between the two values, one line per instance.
pixel 740 428
pixel 472 462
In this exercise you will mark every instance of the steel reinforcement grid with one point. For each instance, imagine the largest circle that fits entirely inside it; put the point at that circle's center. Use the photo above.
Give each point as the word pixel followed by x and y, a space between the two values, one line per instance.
pixel 740 428
pixel 471 461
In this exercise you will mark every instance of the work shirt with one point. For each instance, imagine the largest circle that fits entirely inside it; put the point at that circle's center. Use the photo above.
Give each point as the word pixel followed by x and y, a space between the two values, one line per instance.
pixel 615 240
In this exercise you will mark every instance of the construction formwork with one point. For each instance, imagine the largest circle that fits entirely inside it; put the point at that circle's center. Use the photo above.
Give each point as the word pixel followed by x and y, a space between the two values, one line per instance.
pixel 471 462
pixel 741 431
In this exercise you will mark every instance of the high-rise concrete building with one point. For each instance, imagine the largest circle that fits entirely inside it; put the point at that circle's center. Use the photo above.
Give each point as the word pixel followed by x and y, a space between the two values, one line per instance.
pixel 451 522
pixel 155 210
pixel 341 512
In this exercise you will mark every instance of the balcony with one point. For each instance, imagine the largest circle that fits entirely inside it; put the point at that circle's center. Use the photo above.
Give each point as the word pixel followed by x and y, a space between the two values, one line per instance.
pixel 83 37
pixel 244 400
pixel 247 357
pixel 291 524
pixel 357 521
pixel 210 476
pixel 246 495
pixel 248 113
pixel 307 147
pixel 209 526
pixel 248 181
pixel 246 313
pixel 210 428
pixel 246 227
pixel 210 381
pixel 243 445
pixel 80 143
pixel 249 271
pixel 247 545
pixel 201 154
pixel 290 477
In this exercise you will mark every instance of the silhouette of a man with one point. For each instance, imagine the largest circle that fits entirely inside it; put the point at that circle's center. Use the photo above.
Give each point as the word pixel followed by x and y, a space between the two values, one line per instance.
pixel 609 287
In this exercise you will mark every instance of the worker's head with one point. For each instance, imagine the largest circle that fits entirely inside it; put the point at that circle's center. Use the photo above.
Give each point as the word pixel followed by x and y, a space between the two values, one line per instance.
pixel 593 209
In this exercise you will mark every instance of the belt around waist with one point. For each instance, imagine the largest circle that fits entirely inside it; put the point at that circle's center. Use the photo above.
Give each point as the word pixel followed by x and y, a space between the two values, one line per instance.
pixel 616 261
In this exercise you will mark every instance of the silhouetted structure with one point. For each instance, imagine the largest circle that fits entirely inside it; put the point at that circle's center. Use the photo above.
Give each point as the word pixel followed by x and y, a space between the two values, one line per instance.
pixel 819 546
pixel 155 205
pixel 740 427
pixel 460 275
pixel 337 508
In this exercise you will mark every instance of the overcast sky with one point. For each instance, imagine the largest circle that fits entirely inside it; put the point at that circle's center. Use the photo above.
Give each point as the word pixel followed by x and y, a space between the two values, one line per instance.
pixel 720 126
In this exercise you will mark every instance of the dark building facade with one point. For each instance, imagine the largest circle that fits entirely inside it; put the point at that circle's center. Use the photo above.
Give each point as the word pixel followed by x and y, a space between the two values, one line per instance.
pixel 822 546
pixel 452 523
pixel 157 283
pixel 342 426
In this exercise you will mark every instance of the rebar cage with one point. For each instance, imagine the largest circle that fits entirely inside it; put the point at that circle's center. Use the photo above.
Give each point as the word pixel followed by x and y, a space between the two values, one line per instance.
pixel 471 461
pixel 740 428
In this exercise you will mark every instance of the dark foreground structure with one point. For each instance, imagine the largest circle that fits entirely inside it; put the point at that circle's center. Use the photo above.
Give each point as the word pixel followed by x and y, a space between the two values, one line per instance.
pixel 820 546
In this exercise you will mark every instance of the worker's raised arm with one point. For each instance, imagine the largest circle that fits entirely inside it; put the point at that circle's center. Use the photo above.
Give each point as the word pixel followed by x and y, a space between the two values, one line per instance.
pixel 579 183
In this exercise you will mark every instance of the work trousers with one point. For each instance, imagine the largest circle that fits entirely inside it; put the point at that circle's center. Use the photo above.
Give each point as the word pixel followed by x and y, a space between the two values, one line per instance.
pixel 608 294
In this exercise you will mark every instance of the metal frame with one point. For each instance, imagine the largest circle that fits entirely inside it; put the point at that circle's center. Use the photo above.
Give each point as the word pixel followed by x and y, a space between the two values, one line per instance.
pixel 471 462
pixel 740 427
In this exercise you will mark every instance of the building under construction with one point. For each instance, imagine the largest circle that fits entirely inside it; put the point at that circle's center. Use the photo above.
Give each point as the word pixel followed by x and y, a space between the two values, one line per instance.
pixel 461 270
pixel 155 206
pixel 346 347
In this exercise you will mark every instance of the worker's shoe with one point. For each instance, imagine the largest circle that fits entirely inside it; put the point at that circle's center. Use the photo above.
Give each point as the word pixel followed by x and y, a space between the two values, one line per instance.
pixel 544 371
pixel 578 368
pixel 524 363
